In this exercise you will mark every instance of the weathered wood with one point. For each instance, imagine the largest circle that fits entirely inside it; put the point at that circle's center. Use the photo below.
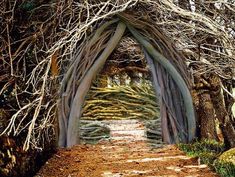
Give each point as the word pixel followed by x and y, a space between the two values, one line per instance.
pixel 188 104
pixel 75 113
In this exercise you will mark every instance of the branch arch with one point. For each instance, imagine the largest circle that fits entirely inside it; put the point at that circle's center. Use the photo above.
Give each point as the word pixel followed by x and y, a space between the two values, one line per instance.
pixel 167 67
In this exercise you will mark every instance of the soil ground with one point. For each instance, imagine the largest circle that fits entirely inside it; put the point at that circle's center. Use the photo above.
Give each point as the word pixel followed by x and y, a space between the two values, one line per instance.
pixel 123 158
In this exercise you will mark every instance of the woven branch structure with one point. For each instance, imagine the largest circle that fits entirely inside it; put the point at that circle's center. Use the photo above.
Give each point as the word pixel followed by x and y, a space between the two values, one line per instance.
pixel 168 70
pixel 121 102
pixel 47 44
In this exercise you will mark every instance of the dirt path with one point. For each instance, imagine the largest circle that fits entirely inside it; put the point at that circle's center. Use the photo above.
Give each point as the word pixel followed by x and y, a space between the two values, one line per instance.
pixel 123 158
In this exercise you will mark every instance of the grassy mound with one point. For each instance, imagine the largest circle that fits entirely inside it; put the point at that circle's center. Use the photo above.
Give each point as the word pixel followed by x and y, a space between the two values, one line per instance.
pixel 212 153
pixel 225 164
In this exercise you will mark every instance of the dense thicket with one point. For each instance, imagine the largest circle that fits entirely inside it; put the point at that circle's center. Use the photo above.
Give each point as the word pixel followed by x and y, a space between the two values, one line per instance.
pixel 38 38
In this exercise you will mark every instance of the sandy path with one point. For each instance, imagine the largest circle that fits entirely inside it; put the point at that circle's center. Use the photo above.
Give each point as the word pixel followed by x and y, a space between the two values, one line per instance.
pixel 123 158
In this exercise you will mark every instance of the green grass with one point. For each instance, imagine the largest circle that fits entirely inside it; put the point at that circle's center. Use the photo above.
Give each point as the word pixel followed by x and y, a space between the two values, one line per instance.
pixel 208 151
pixel 224 169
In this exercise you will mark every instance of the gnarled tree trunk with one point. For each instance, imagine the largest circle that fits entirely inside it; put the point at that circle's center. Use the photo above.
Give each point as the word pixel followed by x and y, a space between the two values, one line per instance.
pixel 205 109
pixel 210 104
pixel 221 112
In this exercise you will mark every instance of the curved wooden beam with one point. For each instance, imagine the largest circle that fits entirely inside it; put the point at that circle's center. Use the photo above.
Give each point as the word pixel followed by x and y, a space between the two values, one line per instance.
pixel 66 84
pixel 158 57
pixel 75 113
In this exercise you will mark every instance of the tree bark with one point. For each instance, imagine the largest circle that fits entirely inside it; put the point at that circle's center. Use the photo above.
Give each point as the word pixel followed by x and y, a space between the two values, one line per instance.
pixel 206 117
pixel 179 81
pixel 83 88
pixel 221 112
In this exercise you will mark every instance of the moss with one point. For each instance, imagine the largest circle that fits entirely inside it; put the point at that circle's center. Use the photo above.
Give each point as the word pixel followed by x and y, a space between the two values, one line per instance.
pixel 205 146
pixel 206 150
pixel 225 164
pixel 228 156
pixel 209 152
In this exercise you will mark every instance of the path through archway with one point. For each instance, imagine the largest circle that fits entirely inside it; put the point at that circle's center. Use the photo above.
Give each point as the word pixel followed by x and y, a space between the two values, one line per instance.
pixel 122 104
pixel 167 67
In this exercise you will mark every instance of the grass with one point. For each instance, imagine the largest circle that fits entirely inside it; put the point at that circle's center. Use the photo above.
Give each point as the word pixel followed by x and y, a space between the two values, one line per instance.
pixel 208 152
pixel 224 169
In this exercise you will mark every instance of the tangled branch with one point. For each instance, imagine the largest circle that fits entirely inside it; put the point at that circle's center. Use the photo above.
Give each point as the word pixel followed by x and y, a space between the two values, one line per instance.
pixel 37 36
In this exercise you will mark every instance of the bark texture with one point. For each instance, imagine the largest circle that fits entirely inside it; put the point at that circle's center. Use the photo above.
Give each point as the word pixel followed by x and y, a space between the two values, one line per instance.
pixel 210 105
pixel 207 117
pixel 221 112
pixel 75 113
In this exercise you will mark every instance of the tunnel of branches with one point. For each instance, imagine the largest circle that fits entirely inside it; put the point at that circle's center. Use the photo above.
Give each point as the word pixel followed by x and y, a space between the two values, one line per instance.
pixel 122 91
pixel 169 76
pixel 48 64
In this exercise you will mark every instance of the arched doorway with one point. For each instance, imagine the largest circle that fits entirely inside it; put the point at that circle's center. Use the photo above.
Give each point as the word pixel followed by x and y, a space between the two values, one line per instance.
pixel 170 79
pixel 121 105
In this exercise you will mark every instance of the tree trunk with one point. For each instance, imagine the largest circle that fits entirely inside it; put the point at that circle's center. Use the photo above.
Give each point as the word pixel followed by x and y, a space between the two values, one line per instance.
pixel 221 112
pixel 204 108
pixel 206 117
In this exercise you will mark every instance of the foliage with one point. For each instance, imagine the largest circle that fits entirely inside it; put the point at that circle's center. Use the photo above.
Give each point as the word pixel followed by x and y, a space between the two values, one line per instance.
pixel 209 152
pixel 34 32
pixel 206 150
pixel 225 164
pixel 224 169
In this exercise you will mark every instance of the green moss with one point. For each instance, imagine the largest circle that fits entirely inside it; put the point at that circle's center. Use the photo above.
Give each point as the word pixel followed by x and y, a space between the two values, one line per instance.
pixel 205 146
pixel 225 164
pixel 206 150
pixel 209 153
pixel 228 156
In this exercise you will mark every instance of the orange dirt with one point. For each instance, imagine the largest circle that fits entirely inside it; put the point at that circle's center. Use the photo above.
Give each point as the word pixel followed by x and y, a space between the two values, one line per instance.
pixel 123 159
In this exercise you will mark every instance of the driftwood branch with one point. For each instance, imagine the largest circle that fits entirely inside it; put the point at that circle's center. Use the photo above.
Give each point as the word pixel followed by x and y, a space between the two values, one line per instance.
pixel 72 134
pixel 188 103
